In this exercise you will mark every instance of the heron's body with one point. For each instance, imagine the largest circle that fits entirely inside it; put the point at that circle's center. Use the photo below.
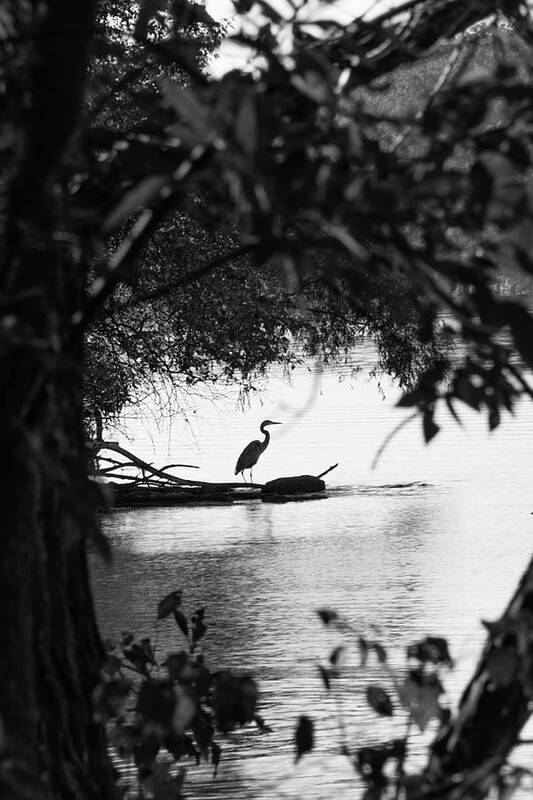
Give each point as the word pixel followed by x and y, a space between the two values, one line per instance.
pixel 250 455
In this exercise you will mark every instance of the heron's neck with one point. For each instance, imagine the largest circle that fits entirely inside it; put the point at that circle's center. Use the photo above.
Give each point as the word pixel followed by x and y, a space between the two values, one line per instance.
pixel 266 435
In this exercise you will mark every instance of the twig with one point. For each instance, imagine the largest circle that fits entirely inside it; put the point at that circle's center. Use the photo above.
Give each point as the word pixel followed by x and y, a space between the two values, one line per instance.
pixel 190 277
pixel 391 435
pixel 400 770
pixel 142 465
pixel 327 470
pixel 170 466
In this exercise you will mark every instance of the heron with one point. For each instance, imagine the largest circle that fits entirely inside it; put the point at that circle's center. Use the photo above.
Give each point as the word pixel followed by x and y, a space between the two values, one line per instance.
pixel 250 455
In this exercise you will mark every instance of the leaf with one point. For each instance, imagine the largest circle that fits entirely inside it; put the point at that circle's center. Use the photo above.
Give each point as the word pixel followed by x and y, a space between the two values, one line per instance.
pixel 179 745
pixel 140 655
pixel 160 783
pixel 345 238
pixel 432 650
pixel 419 695
pixel 494 417
pixel 147 11
pixel 184 711
pixel 156 703
pixel 198 628
pixel 465 390
pixel 327 615
pixel 246 125
pixel 234 700
pixel 363 650
pixel 179 50
pixel 452 410
pixel 304 736
pixel 134 200
pixel 379 700
pixel 324 674
pixel 371 760
pixel 379 651
pixel 182 623
pixel 521 325
pixel 169 604
pixel 269 11
pixel 203 731
pixel 188 13
pixel 502 665
pixel 111 665
pixel 187 106
pixel 335 655
pixel 429 426
pixel 178 666
pixel 313 86
pixel 216 752
pixel 144 754
pixel 109 698
pixel 416 397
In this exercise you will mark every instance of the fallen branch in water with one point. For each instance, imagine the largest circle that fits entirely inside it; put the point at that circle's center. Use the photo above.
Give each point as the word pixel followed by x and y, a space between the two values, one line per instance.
pixel 137 463
pixel 150 485
pixel 147 470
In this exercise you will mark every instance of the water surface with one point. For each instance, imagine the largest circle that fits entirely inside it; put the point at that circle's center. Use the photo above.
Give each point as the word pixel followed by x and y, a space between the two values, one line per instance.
pixel 430 542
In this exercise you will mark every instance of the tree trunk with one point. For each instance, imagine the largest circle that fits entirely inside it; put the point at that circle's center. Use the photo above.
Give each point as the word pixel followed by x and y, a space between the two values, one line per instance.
pixel 495 705
pixel 51 654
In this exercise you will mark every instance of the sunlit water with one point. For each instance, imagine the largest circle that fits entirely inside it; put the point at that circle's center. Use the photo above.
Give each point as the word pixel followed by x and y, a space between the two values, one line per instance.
pixel 432 557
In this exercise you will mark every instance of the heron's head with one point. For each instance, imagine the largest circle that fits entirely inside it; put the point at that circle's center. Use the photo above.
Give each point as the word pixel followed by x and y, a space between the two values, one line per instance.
pixel 267 422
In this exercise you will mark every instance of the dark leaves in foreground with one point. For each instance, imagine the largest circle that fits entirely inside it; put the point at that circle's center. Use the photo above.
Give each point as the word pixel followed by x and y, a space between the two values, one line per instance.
pixel 216 752
pixel 370 761
pixel 198 627
pixel 378 699
pixel 432 650
pixel 156 703
pixel 304 736
pixel 234 700
pixel 419 695
pixel 169 604
pixel 141 655
pixel 182 622
pixel 327 615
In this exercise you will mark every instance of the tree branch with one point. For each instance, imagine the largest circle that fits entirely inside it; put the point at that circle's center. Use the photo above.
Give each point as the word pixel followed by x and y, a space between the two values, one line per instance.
pixel 190 277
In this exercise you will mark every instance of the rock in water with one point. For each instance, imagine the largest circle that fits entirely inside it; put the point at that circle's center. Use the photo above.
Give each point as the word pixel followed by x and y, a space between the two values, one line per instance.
pixel 299 484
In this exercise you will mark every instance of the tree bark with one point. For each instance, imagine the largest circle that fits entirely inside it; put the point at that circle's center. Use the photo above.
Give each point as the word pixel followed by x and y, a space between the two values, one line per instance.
pixel 51 652
pixel 494 706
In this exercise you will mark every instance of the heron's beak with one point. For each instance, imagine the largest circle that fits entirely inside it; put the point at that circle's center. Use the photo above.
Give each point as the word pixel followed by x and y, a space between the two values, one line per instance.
pixel 276 423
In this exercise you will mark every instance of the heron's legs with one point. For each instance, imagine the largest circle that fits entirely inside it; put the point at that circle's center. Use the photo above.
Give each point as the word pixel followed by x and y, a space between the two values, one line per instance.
pixel 251 475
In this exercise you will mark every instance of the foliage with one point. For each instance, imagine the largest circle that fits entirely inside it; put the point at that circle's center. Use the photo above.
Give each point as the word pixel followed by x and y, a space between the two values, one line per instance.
pixel 201 303
pixel 319 177
pixel 414 693
pixel 162 712
pixel 233 328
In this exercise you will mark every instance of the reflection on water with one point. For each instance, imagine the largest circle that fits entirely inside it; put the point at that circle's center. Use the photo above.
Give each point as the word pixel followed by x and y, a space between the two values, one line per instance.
pixel 431 542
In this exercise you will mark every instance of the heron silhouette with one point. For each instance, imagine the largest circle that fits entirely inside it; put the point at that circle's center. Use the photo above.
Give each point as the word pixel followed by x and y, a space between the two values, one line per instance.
pixel 250 455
